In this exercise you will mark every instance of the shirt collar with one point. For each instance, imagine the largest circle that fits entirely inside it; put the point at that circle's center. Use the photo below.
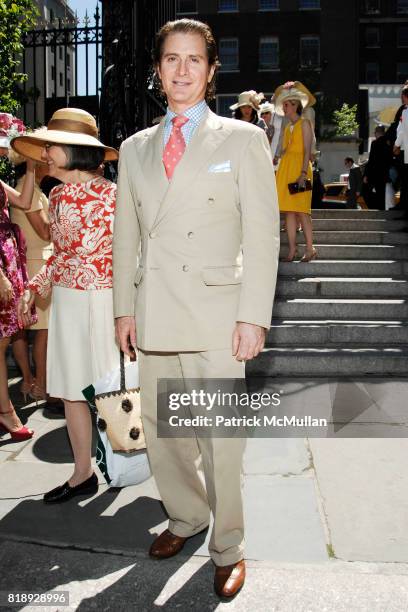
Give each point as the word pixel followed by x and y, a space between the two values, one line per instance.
pixel 194 113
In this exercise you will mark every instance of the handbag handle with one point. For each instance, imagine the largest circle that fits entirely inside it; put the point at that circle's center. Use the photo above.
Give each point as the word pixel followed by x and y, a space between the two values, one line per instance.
pixel 122 372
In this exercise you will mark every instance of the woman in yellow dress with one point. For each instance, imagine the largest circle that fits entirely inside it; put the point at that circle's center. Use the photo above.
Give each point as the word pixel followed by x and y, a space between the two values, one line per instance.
pixel 295 167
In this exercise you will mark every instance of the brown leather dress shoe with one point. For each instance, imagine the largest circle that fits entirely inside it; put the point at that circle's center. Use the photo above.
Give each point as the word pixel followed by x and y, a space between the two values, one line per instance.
pixel 229 579
pixel 166 545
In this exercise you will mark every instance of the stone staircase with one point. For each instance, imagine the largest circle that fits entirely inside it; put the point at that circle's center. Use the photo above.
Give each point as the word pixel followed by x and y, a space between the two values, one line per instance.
pixel 346 313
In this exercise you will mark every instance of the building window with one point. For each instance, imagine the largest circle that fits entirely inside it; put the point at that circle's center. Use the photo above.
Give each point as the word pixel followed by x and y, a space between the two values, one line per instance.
pixel 402 6
pixel 53 73
pixel 185 7
pixel 309 4
pixel 229 53
pixel 372 6
pixel 60 52
pixel 68 60
pixel 227 6
pixel 310 51
pixel 61 79
pixel 372 72
pixel 402 39
pixel 69 85
pixel 224 101
pixel 269 5
pixel 373 37
pixel 402 72
pixel 268 53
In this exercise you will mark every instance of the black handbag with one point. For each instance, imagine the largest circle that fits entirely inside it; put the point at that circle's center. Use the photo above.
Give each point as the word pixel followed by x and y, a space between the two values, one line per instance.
pixel 295 188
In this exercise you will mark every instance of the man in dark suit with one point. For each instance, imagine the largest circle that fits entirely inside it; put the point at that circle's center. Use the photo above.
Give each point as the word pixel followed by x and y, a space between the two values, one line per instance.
pixel 355 182
pixel 377 170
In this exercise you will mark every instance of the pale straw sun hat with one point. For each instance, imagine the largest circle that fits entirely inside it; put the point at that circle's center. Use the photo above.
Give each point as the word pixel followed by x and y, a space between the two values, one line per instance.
pixel 67 126
pixel 248 98
pixel 293 90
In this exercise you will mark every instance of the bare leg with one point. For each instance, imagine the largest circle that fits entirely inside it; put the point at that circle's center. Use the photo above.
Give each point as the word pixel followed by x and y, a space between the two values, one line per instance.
pixel 79 426
pixel 40 357
pixel 10 420
pixel 306 223
pixel 291 225
pixel 20 352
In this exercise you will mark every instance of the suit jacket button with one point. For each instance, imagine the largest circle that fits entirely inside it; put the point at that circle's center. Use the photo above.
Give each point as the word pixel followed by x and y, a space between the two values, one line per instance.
pixel 152 234
pixel 190 235
pixel 185 268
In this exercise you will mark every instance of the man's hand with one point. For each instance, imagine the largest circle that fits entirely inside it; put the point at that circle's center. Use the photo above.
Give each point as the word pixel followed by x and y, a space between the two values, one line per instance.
pixel 125 328
pixel 396 150
pixel 248 341
pixel 365 180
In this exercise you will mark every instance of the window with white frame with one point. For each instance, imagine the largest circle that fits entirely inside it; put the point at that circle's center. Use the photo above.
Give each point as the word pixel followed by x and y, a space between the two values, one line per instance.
pixel 268 5
pixel 228 49
pixel 402 36
pixel 372 72
pixel 227 6
pixel 186 7
pixel 402 6
pixel 372 37
pixel 310 51
pixel 268 53
pixel 309 4
pixel 402 72
pixel 224 101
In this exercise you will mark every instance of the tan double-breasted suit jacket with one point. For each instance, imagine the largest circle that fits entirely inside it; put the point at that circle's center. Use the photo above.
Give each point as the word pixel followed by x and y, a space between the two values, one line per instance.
pixel 194 255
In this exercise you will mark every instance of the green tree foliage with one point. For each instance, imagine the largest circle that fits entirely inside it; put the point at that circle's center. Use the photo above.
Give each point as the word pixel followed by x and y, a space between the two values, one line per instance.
pixel 345 120
pixel 16 17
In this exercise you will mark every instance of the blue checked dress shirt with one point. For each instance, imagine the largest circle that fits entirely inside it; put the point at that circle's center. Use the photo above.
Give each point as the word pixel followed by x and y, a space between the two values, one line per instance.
pixel 195 115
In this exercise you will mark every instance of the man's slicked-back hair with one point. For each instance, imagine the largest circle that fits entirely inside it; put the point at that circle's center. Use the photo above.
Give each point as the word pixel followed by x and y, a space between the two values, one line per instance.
pixel 189 26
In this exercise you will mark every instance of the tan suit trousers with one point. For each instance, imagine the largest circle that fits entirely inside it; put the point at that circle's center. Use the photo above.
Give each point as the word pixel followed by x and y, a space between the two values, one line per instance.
pixel 196 476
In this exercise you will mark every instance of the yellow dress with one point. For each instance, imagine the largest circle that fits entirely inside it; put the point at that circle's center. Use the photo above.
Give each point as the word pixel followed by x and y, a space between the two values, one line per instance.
pixel 289 170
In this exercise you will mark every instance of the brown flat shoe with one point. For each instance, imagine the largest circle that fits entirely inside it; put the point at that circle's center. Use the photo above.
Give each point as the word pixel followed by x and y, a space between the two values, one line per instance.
pixel 166 545
pixel 229 579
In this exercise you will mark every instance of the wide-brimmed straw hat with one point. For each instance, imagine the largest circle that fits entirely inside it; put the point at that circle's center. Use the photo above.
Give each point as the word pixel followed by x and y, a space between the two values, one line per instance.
pixel 67 126
pixel 249 98
pixel 289 91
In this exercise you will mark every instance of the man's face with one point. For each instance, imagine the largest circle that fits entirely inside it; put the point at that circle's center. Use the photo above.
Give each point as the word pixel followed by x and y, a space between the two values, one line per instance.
pixel 3 151
pixel 348 164
pixel 184 70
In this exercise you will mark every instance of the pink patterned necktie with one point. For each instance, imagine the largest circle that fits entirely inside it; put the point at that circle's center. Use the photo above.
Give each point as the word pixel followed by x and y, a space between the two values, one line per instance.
pixel 175 146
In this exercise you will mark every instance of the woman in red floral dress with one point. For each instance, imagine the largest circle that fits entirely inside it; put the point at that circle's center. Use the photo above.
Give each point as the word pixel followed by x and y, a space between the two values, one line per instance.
pixel 81 339
pixel 13 279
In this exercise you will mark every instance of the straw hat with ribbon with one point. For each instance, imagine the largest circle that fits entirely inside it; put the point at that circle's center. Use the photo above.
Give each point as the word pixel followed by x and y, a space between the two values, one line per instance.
pixel 67 126
pixel 293 90
pixel 249 98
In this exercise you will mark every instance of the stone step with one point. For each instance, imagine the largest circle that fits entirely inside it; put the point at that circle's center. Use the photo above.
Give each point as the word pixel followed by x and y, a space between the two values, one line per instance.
pixel 324 213
pixel 343 268
pixel 344 361
pixel 358 237
pixel 327 224
pixel 351 251
pixel 297 308
pixel 311 333
pixel 341 287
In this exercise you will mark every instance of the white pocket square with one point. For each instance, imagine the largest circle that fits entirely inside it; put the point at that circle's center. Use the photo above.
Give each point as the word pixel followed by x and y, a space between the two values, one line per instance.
pixel 223 167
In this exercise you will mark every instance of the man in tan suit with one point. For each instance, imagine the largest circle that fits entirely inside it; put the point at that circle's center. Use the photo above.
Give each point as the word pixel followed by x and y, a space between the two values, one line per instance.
pixel 194 194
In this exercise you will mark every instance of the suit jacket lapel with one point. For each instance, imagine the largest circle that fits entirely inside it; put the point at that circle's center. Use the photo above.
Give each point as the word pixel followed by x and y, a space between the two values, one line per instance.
pixel 206 139
pixel 153 170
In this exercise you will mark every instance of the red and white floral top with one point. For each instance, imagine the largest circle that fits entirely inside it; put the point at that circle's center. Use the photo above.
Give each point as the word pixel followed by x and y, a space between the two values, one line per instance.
pixel 81 226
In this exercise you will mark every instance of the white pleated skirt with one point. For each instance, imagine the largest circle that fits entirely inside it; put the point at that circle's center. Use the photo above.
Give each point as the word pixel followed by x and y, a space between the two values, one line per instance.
pixel 81 341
